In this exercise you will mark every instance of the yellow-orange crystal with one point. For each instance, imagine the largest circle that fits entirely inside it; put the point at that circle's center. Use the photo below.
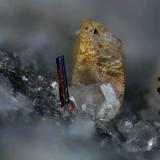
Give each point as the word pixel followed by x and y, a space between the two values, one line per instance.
pixel 98 57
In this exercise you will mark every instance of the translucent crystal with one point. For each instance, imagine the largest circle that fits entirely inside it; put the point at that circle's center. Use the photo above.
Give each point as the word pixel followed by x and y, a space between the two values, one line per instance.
pixel 99 101
pixel 141 137
pixel 111 104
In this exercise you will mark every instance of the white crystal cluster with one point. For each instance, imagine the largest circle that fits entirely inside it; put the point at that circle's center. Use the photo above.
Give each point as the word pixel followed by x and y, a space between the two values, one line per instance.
pixel 99 101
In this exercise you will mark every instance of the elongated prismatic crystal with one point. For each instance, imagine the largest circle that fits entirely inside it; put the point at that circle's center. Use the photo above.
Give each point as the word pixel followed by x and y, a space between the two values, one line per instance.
pixel 62 80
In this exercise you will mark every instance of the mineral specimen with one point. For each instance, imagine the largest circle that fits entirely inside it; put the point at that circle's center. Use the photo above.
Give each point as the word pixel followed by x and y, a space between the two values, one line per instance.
pixel 28 94
pixel 98 73
pixel 98 57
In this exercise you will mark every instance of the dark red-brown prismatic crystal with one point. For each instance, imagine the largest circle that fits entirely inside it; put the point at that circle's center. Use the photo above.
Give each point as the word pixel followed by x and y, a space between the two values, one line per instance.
pixel 62 81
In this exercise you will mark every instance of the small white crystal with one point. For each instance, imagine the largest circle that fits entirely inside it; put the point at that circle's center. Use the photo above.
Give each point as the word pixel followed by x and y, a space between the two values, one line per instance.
pixel 151 143
pixel 55 88
pixel 71 98
pixel 54 84
pixel 109 93
pixel 24 78
pixel 40 78
pixel 128 124
pixel 109 109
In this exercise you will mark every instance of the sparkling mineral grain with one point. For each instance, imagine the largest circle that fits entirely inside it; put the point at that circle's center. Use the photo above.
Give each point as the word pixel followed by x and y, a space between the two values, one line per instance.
pixel 98 57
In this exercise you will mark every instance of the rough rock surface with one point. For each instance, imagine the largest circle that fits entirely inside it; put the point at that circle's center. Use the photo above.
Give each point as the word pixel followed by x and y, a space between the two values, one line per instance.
pixel 30 83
